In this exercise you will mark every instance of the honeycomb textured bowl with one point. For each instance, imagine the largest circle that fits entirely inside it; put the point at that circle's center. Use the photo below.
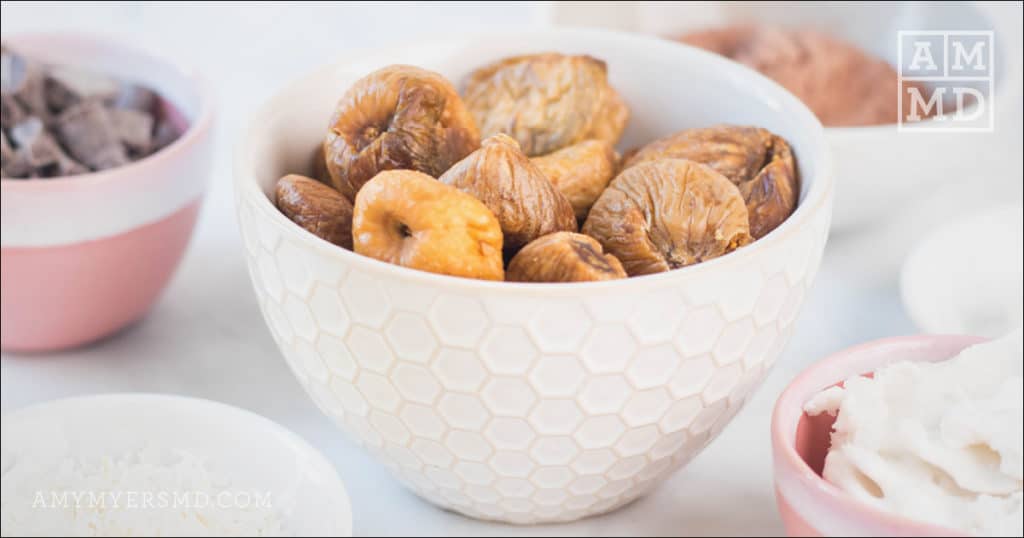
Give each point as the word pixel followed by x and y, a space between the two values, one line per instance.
pixel 532 403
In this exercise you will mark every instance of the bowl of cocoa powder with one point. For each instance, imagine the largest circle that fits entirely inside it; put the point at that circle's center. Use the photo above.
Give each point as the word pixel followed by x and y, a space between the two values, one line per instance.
pixel 841 60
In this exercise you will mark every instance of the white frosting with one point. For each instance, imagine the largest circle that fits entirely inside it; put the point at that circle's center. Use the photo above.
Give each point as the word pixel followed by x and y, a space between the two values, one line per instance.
pixel 935 442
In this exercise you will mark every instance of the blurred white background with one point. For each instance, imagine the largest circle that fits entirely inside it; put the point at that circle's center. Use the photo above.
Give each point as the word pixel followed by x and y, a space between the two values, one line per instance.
pixel 206 338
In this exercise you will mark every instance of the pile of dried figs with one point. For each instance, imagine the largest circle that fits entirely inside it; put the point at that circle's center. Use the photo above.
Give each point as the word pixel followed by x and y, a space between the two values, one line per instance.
pixel 518 179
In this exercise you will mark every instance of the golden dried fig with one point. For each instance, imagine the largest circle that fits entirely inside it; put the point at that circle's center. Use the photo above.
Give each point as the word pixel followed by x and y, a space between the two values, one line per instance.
pixel 409 218
pixel 319 209
pixel 581 171
pixel 771 196
pixel 756 160
pixel 670 213
pixel 399 117
pixel 526 203
pixel 546 101
pixel 563 257
pixel 611 121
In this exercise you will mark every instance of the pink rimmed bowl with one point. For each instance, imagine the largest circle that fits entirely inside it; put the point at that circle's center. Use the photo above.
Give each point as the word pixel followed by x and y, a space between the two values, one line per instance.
pixel 809 505
pixel 84 256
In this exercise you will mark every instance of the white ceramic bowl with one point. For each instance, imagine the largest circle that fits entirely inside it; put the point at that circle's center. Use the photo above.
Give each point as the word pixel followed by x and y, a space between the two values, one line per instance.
pixel 965 277
pixel 534 402
pixel 877 168
pixel 252 454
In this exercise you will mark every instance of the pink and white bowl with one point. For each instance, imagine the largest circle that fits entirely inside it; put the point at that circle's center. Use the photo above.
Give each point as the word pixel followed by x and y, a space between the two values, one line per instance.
pixel 532 403
pixel 809 505
pixel 84 256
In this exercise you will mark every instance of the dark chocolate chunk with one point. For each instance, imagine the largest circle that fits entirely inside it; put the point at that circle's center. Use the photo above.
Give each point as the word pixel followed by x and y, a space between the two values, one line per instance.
pixel 12 113
pixel 90 136
pixel 134 129
pixel 66 86
pixel 58 96
pixel 24 80
pixel 130 96
pixel 18 166
pixel 165 134
pixel 39 152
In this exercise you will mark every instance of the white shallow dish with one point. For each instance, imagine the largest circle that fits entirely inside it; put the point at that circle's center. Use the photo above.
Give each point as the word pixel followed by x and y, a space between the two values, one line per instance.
pixel 878 169
pixel 965 278
pixel 526 402
pixel 250 452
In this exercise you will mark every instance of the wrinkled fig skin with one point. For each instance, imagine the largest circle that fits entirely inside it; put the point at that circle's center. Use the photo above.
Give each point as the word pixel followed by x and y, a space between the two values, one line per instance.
pixel 737 153
pixel 611 121
pixel 526 204
pixel 546 101
pixel 666 214
pixel 581 172
pixel 410 219
pixel 399 117
pixel 564 257
pixel 756 160
pixel 317 208
pixel 771 196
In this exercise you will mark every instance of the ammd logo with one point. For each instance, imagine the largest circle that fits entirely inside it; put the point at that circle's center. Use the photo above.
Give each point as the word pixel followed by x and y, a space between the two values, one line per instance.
pixel 953 81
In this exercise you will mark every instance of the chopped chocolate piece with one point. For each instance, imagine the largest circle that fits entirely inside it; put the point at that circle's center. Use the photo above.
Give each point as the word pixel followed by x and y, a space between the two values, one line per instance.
pixel 40 152
pixel 130 96
pixel 89 135
pixel 110 157
pixel 134 129
pixel 166 133
pixel 58 96
pixel 24 80
pixel 35 144
pixel 18 166
pixel 12 113
pixel 66 86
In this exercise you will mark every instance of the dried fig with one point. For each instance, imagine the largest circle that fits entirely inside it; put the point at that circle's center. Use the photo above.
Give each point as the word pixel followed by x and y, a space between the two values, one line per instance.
pixel 546 101
pixel 670 213
pixel 771 196
pixel 319 209
pixel 756 160
pixel 581 171
pixel 526 203
pixel 399 117
pixel 408 218
pixel 563 257
pixel 611 121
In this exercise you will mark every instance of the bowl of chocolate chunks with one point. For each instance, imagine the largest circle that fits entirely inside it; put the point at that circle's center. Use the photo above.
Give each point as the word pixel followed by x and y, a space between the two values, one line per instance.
pixel 105 155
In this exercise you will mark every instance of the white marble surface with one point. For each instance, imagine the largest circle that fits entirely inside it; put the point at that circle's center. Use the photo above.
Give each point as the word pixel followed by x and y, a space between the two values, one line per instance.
pixel 206 337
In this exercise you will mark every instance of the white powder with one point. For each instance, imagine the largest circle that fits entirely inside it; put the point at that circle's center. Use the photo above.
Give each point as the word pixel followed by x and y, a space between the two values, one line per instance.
pixel 144 493
pixel 936 442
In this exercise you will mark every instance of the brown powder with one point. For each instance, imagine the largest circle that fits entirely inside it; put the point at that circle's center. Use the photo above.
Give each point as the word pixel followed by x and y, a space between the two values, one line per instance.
pixel 841 84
